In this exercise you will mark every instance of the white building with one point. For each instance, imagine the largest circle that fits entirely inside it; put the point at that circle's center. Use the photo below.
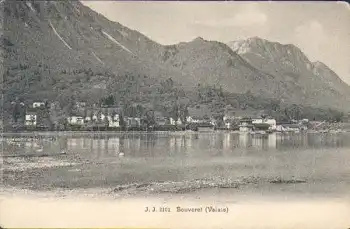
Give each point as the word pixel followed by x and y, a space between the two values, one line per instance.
pixel 178 122
pixel 75 120
pixel 190 119
pixel 38 104
pixel 95 117
pixel 102 117
pixel 30 119
pixel 113 121
pixel 172 121
pixel 271 122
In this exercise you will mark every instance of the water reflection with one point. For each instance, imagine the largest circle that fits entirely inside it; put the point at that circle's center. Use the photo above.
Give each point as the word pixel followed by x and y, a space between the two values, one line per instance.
pixel 272 141
pixel 244 140
pixel 179 144
pixel 30 146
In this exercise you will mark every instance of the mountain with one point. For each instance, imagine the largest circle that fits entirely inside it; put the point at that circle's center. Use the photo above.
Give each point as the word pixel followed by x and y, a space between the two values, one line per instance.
pixel 64 51
pixel 214 63
pixel 313 83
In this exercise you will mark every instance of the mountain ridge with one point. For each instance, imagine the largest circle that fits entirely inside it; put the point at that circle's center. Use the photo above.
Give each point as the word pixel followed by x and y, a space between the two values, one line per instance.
pixel 237 47
pixel 287 62
pixel 65 51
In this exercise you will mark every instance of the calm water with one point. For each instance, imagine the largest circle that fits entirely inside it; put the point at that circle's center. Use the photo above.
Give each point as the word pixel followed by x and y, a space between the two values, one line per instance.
pixel 179 162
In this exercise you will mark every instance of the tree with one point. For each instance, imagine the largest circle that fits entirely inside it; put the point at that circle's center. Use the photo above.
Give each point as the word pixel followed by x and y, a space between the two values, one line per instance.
pixel 338 116
pixel 275 106
pixel 175 112
pixel 150 118
pixel 183 113
pixel 221 92
pixel 46 104
pixel 17 110
pixel 62 123
pixel 295 112
pixel 139 110
pixel 121 121
pixel 106 122
pixel 133 111
pixel 109 100
pixel 263 115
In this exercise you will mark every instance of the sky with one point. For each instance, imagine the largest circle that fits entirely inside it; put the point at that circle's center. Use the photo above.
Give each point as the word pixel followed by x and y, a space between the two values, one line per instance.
pixel 320 29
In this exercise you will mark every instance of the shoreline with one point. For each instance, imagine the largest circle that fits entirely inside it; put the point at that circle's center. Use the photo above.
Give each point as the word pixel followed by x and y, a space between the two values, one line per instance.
pixel 89 133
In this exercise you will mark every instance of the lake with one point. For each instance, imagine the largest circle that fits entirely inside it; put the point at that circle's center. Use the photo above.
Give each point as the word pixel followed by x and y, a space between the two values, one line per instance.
pixel 170 165
pixel 318 163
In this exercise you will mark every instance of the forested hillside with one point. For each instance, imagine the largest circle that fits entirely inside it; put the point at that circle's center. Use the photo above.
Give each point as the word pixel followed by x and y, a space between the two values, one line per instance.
pixel 63 51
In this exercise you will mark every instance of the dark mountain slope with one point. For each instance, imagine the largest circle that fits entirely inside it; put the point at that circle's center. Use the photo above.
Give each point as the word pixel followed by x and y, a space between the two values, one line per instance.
pixel 62 50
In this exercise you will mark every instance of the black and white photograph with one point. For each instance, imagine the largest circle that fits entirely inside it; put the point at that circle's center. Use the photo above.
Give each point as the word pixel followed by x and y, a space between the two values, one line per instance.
pixel 175 114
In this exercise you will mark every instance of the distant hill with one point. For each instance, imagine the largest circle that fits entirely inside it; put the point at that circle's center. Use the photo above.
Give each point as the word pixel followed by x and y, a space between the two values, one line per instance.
pixel 64 51
pixel 312 84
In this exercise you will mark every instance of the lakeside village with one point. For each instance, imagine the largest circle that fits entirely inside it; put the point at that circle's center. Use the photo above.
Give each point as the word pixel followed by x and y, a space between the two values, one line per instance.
pixel 39 116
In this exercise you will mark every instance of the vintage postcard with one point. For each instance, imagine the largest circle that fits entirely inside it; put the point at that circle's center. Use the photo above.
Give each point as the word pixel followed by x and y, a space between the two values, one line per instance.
pixel 184 115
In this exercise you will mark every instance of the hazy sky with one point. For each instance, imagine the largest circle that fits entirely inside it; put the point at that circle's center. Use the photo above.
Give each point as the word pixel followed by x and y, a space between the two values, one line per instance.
pixel 320 29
